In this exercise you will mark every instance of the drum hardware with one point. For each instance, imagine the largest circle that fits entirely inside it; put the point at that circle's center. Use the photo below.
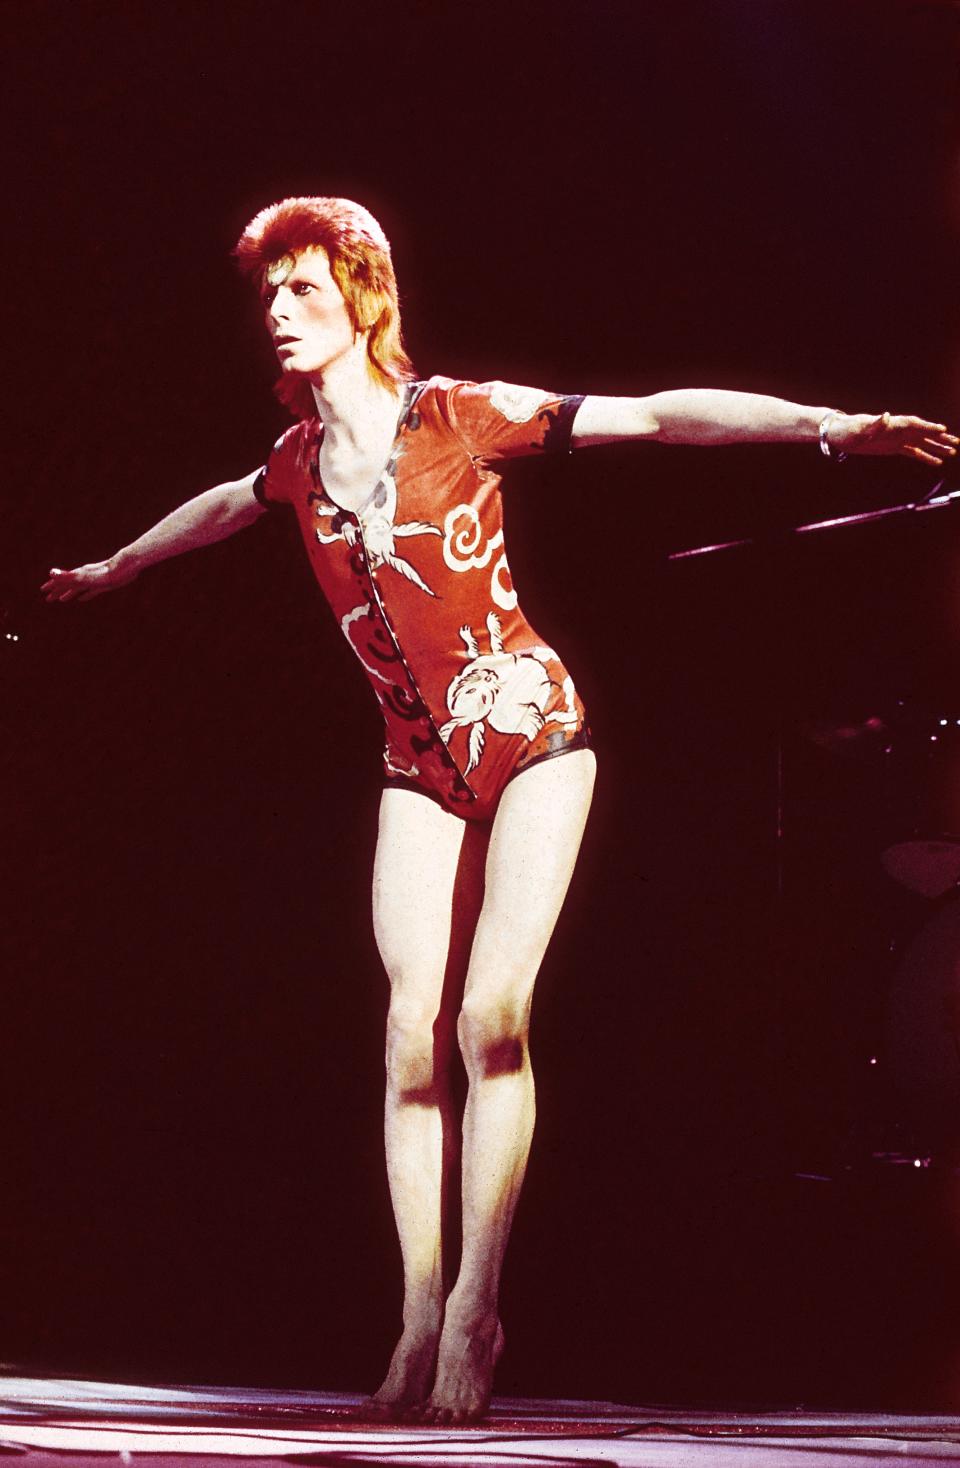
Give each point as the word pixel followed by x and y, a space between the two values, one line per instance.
pixel 922 1051
pixel 905 1104
pixel 928 866
pixel 922 799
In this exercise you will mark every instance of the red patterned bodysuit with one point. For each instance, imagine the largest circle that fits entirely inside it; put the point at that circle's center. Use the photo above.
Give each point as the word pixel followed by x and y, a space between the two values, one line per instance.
pixel 419 583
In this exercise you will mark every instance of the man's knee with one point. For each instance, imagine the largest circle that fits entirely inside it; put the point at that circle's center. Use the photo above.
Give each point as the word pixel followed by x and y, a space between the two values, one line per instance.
pixel 493 1036
pixel 415 1055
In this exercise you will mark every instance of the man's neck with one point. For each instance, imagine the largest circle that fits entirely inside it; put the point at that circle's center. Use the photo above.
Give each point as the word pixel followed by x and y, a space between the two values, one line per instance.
pixel 351 404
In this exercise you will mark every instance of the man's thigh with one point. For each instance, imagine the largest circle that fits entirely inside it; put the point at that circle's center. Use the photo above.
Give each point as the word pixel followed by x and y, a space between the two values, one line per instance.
pixel 533 848
pixel 428 865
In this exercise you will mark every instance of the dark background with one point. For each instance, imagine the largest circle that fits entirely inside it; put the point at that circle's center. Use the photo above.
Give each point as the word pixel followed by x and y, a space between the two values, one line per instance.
pixel 617 197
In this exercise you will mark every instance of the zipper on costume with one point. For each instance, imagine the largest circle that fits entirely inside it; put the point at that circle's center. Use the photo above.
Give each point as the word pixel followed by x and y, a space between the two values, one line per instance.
pixel 375 593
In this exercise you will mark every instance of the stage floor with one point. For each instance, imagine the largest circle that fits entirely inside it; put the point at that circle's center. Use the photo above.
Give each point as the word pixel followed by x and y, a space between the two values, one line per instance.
pixel 72 1422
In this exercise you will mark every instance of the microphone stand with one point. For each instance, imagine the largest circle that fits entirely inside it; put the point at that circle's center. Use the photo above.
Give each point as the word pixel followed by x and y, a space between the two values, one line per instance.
pixel 932 500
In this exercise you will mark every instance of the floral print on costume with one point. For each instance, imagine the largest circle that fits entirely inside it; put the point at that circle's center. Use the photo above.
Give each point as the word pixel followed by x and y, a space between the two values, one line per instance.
pixel 380 532
pixel 419 581
pixel 507 691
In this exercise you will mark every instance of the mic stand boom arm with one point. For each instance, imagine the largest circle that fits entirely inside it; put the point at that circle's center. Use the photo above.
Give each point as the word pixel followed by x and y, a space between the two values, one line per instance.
pixel 933 500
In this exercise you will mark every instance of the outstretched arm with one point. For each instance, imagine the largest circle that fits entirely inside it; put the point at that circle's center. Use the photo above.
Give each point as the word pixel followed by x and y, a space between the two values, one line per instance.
pixel 210 516
pixel 714 416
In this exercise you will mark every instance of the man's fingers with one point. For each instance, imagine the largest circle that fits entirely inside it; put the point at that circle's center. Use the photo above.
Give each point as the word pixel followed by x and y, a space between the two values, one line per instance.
pixel 914 438
pixel 910 427
pixel 67 590
pixel 936 434
pixel 929 450
pixel 59 580
pixel 80 584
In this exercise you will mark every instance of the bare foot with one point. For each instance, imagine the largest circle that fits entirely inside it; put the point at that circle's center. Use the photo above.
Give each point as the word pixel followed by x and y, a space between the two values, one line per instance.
pixel 408 1381
pixel 466 1362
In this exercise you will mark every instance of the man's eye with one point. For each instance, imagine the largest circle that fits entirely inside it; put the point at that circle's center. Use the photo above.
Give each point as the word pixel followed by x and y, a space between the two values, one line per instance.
pixel 268 297
pixel 301 288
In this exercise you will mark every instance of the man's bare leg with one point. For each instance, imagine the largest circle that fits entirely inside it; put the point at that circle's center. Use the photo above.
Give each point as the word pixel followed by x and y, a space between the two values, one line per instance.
pixel 533 847
pixel 427 862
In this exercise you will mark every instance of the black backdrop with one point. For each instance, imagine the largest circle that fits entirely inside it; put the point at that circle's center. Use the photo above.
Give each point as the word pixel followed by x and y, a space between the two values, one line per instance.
pixel 608 198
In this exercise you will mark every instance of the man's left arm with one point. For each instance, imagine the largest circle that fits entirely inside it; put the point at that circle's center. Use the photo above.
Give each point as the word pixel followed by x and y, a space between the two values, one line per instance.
pixel 716 416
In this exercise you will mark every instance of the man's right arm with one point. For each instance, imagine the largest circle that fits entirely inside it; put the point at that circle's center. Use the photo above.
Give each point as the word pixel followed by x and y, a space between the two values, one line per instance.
pixel 210 516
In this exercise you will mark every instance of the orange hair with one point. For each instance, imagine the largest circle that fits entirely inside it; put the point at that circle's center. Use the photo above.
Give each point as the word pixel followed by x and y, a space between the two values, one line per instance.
pixel 360 263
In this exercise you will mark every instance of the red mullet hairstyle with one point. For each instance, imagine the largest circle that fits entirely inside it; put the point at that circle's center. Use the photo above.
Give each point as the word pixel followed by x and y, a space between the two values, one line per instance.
pixel 360 263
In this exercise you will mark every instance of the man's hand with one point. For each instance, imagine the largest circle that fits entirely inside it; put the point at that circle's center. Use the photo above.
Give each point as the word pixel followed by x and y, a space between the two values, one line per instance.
pixel 864 433
pixel 208 517
pixel 83 582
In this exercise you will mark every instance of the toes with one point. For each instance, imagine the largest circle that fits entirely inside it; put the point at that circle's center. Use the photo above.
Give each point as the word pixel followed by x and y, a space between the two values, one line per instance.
pixel 374 1411
pixel 433 1414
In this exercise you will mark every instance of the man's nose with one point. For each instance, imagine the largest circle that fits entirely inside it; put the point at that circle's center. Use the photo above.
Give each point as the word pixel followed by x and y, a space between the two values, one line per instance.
pixel 277 310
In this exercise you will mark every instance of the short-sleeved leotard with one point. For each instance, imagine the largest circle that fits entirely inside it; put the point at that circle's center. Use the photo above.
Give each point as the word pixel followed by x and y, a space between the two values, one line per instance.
pixel 419 583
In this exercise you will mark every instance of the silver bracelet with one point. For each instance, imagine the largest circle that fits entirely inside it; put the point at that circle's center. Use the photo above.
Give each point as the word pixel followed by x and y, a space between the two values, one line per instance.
pixel 825 448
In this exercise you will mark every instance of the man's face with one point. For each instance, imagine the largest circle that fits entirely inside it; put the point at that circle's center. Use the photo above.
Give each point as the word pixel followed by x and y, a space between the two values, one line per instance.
pixel 305 313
